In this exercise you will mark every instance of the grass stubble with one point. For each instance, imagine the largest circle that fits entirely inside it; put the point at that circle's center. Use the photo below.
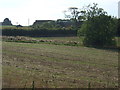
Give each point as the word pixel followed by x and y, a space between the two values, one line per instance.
pixel 58 66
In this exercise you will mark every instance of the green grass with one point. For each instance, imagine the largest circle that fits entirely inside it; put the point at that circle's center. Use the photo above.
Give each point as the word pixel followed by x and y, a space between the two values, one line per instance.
pixel 58 66
pixel 118 41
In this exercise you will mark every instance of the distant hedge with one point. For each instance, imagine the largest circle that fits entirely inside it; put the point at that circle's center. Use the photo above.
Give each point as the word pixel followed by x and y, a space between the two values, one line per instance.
pixel 38 33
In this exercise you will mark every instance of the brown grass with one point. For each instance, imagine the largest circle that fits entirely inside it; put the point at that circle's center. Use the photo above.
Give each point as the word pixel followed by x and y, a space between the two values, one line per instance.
pixel 56 66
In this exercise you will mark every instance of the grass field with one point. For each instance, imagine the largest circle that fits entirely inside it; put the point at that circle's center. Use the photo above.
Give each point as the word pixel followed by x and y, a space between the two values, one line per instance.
pixel 58 66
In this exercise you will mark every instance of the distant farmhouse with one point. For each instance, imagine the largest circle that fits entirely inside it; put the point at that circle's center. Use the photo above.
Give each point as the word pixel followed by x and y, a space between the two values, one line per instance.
pixel 19 26
pixel 41 21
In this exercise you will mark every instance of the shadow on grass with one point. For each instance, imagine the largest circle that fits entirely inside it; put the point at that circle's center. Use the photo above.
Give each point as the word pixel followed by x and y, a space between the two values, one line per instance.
pixel 114 49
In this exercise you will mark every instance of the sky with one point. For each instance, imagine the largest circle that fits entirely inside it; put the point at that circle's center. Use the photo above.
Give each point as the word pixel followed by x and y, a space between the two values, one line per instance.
pixel 20 11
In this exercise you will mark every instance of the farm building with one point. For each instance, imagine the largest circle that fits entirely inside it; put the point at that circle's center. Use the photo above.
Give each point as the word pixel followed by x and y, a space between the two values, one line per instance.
pixel 41 22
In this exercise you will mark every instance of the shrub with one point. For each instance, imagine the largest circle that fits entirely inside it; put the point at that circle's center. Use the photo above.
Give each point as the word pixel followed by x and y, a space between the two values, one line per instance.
pixel 99 31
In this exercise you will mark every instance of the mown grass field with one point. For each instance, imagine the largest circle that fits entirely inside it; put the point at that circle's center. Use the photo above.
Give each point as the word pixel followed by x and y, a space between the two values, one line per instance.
pixel 58 66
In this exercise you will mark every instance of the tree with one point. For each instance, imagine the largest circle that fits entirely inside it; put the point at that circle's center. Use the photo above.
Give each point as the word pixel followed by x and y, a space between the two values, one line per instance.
pixel 92 11
pixel 99 28
pixel 6 22
pixel 75 15
pixel 50 25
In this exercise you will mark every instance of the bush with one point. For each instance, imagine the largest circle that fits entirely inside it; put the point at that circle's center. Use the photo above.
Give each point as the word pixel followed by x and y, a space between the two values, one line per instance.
pixel 99 31
pixel 81 31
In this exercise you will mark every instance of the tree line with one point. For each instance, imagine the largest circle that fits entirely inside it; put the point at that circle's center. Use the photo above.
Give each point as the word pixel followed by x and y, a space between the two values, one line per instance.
pixel 38 32
pixel 92 22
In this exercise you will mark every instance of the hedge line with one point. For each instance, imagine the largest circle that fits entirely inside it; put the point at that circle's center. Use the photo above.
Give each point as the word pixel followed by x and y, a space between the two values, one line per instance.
pixel 38 33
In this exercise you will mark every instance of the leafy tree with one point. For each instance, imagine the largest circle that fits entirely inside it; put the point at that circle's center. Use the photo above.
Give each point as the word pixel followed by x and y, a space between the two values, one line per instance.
pixel 6 22
pixel 99 28
pixel 75 15
pixel 51 25
pixel 81 31
pixel 92 11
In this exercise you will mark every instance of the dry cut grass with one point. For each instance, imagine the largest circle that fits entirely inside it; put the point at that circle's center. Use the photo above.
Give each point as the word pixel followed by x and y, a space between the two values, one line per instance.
pixel 58 66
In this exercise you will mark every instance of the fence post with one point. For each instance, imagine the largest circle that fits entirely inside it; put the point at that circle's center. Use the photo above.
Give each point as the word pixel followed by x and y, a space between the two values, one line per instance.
pixel 33 87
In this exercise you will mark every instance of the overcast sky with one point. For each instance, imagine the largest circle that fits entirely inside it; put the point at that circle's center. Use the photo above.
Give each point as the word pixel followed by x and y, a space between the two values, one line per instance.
pixel 19 11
